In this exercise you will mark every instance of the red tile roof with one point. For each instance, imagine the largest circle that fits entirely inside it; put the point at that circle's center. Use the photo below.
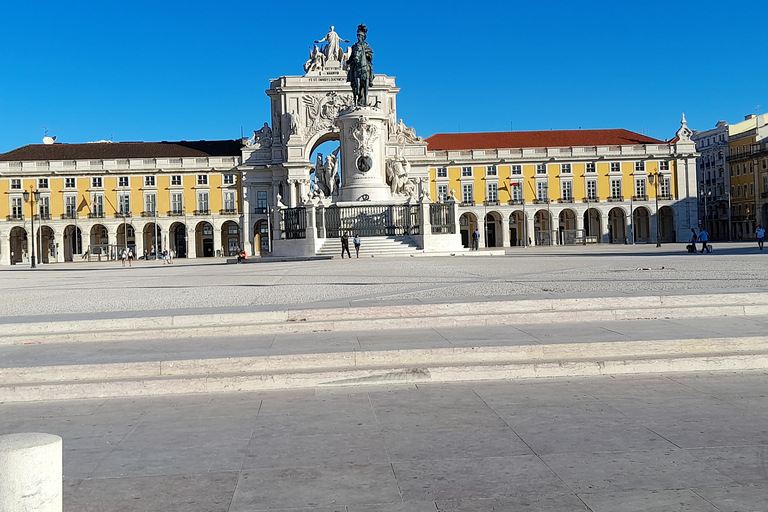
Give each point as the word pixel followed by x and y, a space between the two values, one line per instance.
pixel 539 139
pixel 120 150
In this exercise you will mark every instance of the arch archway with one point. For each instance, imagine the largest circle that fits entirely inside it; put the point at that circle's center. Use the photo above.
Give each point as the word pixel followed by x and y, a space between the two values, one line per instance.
pixel 204 240
pixel 641 224
pixel 467 225
pixel 667 224
pixel 542 228
pixel 261 237
pixel 73 242
pixel 153 240
pixel 230 236
pixel 98 245
pixel 177 239
pixel 592 225
pixel 18 245
pixel 47 250
pixel 567 232
pixel 493 234
pixel 124 241
pixel 517 228
pixel 617 221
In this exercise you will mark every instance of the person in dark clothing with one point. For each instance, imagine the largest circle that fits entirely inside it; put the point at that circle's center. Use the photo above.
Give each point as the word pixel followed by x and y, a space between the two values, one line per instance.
pixel 345 245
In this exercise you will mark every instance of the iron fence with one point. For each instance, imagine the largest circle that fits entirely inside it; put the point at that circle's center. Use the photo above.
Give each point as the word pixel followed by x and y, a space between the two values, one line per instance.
pixel 442 218
pixel 294 223
pixel 385 220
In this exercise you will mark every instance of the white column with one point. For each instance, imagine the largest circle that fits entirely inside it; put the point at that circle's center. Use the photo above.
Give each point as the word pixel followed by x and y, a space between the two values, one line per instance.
pixel 5 248
pixel 505 240
pixel 31 473
pixel 604 228
pixel 59 241
pixel 217 239
pixel 246 227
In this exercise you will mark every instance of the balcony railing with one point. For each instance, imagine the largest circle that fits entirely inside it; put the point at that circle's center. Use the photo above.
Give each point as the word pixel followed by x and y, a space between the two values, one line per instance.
pixel 149 214
pixel 615 199
pixel 96 215
pixel 70 215
pixel 595 199
pixel 260 210
pixel 491 203
pixel 175 213
pixel 17 216
pixel 541 201
pixel 566 200
pixel 121 215
pixel 639 198
pixel 515 201
pixel 202 212
pixel 228 211
pixel 467 203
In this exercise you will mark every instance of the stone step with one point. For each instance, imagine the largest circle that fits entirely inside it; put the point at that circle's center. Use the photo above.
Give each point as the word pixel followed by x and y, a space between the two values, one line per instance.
pixel 366 318
pixel 373 246
pixel 323 370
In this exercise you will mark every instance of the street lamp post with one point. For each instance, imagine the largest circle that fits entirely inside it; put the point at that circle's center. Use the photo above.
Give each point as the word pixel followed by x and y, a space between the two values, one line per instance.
pixel 654 179
pixel 32 198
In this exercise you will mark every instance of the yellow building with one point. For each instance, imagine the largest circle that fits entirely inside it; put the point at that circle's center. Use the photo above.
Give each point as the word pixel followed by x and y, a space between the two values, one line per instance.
pixel 748 171
pixel 567 186
pixel 91 201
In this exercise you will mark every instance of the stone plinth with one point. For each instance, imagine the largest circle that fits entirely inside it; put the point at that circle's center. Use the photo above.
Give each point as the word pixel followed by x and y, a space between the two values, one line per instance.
pixel 363 132
pixel 30 473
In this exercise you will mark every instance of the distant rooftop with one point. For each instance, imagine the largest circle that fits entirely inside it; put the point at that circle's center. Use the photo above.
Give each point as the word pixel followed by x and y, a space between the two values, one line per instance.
pixel 537 139
pixel 124 150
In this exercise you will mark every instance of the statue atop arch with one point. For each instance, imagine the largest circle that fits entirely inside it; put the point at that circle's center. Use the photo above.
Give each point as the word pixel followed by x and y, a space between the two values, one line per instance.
pixel 332 50
pixel 360 67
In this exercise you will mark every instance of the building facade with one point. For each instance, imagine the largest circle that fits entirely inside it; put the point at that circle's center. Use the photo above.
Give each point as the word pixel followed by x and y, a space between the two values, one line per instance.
pixel 713 178
pixel 748 172
pixel 567 187
pixel 90 201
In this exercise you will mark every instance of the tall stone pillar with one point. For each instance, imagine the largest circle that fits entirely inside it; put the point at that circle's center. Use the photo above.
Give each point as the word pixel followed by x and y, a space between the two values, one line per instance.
pixel 604 235
pixel 59 244
pixel 363 165
pixel 5 248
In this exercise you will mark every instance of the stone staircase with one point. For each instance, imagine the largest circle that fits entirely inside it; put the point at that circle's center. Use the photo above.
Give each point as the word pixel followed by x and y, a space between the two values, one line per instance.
pixel 373 246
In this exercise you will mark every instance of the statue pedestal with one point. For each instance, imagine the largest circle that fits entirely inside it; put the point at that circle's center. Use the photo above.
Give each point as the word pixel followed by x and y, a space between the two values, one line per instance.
pixel 363 131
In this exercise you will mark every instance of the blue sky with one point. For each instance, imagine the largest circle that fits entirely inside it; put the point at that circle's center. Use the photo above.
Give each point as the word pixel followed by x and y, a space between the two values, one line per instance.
pixel 168 70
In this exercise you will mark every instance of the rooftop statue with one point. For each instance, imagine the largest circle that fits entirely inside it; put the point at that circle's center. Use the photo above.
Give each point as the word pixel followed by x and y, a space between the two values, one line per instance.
pixel 360 67
pixel 332 50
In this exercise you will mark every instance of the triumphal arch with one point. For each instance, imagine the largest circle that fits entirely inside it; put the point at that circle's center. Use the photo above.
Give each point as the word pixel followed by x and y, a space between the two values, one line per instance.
pixel 372 178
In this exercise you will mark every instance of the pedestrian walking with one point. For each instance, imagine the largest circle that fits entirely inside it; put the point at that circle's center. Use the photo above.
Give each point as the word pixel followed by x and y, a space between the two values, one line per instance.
pixel 694 238
pixel 760 232
pixel 345 245
pixel 476 239
pixel 123 256
pixel 703 238
pixel 130 257
pixel 356 241
pixel 171 255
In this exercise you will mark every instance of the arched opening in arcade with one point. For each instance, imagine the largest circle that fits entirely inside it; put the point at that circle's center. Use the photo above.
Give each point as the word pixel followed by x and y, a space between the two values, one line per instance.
pixel 230 235
pixel 517 228
pixel 467 225
pixel 46 250
pixel 592 226
pixel 567 232
pixel 18 245
pixel 204 240
pixel 261 237
pixel 542 228
pixel 667 224
pixel 98 247
pixel 126 237
pixel 617 222
pixel 493 234
pixel 153 240
pixel 178 239
pixel 73 242
pixel 325 174
pixel 641 225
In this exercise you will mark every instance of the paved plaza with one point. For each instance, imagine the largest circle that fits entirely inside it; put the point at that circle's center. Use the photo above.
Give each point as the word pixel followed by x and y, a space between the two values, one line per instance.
pixel 648 442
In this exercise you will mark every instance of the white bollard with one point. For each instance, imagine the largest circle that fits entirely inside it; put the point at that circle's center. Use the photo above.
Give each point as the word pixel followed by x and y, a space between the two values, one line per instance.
pixel 30 473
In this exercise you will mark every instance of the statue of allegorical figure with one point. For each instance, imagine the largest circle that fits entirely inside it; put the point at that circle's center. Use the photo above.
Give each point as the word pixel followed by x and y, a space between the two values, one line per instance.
pixel 360 67
pixel 332 50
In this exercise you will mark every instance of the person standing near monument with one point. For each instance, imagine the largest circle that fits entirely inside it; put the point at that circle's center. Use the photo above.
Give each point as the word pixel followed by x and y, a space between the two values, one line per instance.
pixel 760 233
pixel 704 238
pixel 332 50
pixel 356 241
pixel 476 239
pixel 345 245
pixel 360 66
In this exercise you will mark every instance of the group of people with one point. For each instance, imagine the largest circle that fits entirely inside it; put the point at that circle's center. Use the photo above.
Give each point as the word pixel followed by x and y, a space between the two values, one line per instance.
pixel 702 237
pixel 126 255
pixel 345 245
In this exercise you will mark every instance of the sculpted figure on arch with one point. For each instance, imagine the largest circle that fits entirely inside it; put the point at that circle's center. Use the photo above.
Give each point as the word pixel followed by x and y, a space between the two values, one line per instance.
pixel 332 50
pixel 360 67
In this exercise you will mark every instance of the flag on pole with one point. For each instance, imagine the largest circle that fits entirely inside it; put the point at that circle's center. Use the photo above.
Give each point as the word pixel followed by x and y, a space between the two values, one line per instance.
pixel 82 205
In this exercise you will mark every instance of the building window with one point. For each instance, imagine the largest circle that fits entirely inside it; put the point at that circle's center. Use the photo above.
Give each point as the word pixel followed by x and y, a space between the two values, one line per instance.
pixel 640 188
pixel 176 180
pixel 442 172
pixel 466 171
pixel 150 204
pixel 615 189
pixel 591 167
pixel 69 182
pixel 70 205
pixel 542 191
pixel 42 183
pixel 261 201
pixel 17 208
pixel 122 181
pixel 517 169
pixel 467 193
pixel 124 204
pixel 541 168
pixel 98 205
pixel 229 202
pixel 442 193
pixel 751 189
pixel 491 170
pixel 15 184
pixel 45 207
pixel 639 166
pixel 565 168
pixel 96 182
pixel 664 165
pixel 149 181
pixel 202 201
pixel 517 191
pixel 202 179
pixel 566 190
pixel 592 190
pixel 229 179
pixel 615 167
pixel 665 188
pixel 492 192
pixel 177 203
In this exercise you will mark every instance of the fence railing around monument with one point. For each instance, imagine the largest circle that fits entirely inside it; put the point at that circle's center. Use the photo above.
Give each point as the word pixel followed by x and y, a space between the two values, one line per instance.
pixel 372 220
pixel 442 218
pixel 294 223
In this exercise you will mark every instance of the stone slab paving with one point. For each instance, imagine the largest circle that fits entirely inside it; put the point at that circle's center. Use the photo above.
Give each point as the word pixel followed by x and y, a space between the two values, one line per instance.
pixel 696 442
